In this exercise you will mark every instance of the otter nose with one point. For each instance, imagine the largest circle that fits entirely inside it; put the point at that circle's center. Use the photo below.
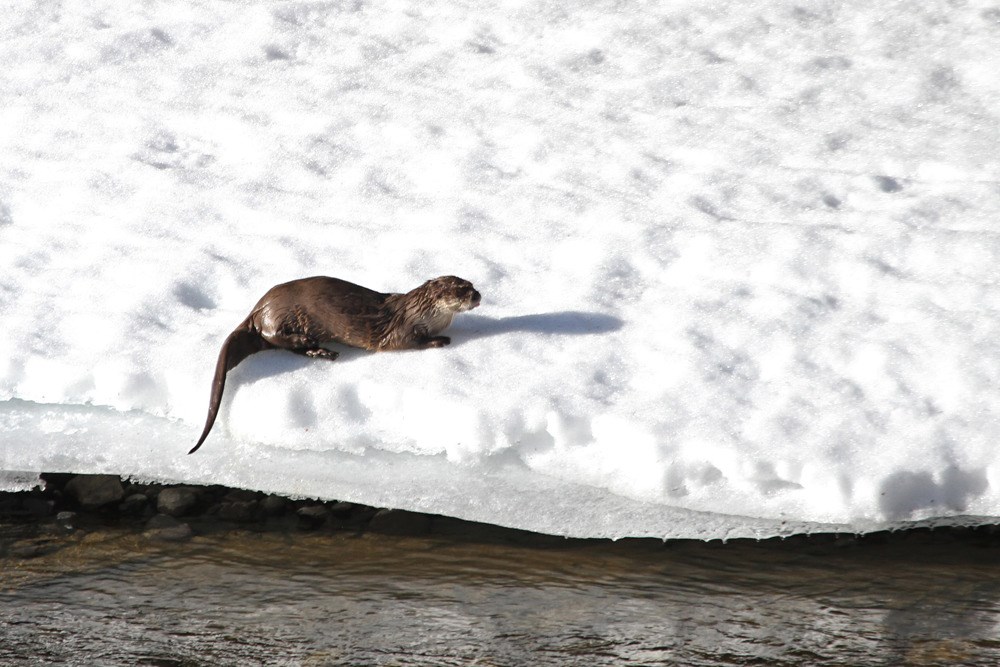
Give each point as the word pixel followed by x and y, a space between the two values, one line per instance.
pixel 476 297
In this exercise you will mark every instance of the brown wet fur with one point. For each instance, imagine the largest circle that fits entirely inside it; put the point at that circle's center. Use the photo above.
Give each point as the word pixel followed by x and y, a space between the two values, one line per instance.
pixel 303 315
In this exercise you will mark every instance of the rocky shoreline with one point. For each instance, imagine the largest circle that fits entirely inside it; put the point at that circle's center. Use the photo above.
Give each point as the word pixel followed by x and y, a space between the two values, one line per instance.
pixel 71 503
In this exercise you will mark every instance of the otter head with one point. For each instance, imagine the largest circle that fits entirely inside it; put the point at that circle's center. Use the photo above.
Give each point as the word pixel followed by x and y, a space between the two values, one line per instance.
pixel 451 294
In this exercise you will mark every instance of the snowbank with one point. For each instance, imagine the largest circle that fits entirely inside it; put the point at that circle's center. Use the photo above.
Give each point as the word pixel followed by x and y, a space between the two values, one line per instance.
pixel 738 261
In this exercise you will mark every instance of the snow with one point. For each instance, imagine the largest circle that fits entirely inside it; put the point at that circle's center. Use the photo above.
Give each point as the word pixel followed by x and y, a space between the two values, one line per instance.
pixel 738 260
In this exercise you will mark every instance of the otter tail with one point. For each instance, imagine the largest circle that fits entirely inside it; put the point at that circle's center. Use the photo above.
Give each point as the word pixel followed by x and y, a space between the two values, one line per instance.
pixel 239 345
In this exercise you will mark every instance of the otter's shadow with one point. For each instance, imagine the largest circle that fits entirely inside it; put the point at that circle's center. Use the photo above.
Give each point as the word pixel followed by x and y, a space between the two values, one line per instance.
pixel 564 323
pixel 271 363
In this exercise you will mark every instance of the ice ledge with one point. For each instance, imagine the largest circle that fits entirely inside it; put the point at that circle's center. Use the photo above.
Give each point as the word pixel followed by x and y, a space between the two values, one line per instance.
pixel 95 440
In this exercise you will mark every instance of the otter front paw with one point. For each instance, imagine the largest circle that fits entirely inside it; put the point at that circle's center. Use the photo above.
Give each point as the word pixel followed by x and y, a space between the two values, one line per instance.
pixel 322 353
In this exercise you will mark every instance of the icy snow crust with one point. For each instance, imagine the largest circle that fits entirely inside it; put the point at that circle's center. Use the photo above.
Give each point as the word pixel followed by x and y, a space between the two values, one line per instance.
pixel 738 260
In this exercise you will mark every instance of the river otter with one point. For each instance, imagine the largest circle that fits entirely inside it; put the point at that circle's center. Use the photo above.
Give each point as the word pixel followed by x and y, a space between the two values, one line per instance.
pixel 302 315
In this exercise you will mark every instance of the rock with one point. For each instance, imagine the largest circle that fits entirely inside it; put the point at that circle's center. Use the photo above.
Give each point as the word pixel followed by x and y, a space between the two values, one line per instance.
pixel 242 511
pixel 94 491
pixel 242 495
pixel 399 522
pixel 10 504
pixel 340 509
pixel 312 516
pixel 134 505
pixel 167 528
pixel 56 481
pixel 274 505
pixel 151 491
pixel 33 548
pixel 177 500
pixel 181 532
pixel 39 507
pixel 162 521
pixel 25 505
pixel 132 488
pixel 361 515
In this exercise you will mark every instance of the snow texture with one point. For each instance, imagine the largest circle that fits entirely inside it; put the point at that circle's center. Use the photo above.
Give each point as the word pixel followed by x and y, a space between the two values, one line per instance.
pixel 739 260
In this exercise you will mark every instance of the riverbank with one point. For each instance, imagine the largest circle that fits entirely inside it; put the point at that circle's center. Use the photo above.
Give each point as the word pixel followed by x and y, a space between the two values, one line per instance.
pixel 71 503
pixel 81 503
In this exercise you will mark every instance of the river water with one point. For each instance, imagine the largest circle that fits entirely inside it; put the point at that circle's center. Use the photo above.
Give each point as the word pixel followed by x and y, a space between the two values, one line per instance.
pixel 112 596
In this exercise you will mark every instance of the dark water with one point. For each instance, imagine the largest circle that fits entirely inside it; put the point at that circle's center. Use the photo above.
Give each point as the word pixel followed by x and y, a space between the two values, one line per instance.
pixel 114 597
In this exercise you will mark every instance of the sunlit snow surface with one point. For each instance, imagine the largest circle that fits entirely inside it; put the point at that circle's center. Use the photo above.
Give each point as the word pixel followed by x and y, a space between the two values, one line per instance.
pixel 739 261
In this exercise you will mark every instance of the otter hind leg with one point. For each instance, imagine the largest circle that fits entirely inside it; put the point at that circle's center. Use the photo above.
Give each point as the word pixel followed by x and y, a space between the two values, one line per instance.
pixel 434 341
pixel 301 344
